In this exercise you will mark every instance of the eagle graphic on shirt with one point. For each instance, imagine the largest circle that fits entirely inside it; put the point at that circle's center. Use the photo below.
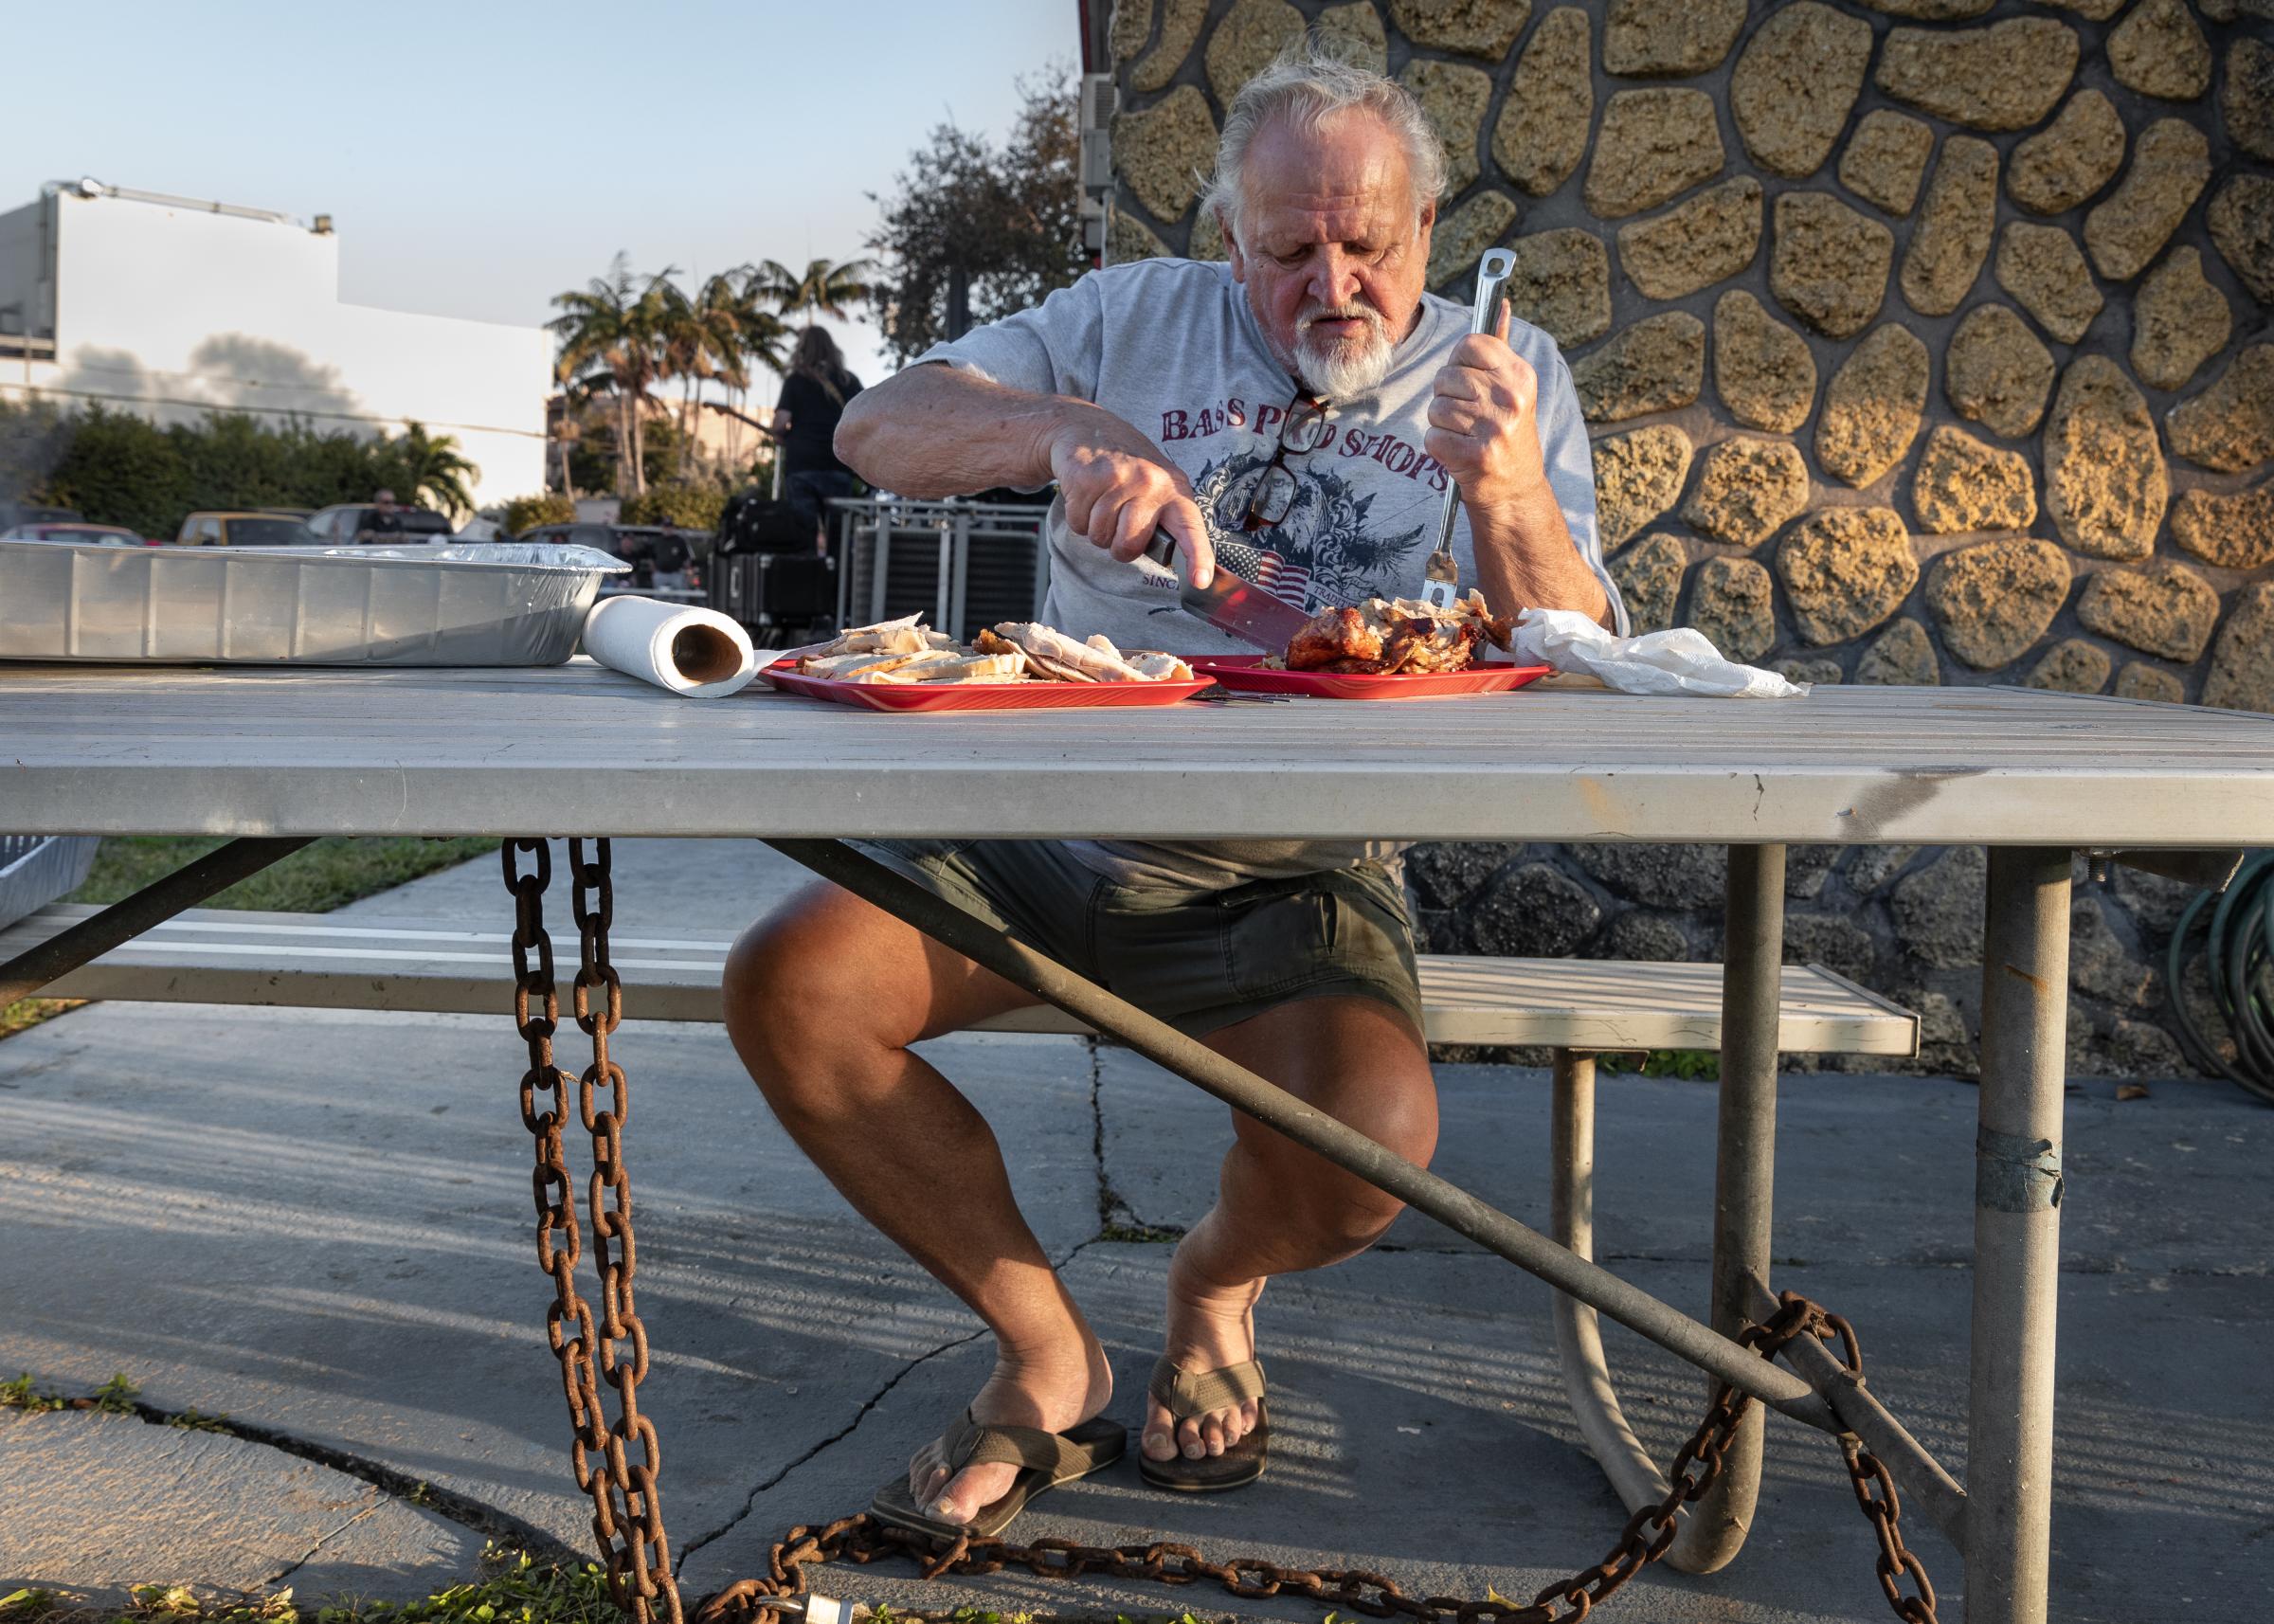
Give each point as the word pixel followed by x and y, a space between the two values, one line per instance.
pixel 1322 551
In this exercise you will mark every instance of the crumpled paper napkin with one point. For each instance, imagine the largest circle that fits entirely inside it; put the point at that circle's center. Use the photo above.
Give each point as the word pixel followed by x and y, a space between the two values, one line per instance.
pixel 1683 661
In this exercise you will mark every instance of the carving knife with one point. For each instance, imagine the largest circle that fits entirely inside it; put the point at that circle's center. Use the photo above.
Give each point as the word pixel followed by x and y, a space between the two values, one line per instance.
pixel 1234 606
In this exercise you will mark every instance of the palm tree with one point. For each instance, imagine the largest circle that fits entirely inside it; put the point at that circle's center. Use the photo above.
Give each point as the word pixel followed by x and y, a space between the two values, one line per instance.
pixel 435 468
pixel 612 335
pixel 758 335
pixel 821 289
pixel 714 337
pixel 685 354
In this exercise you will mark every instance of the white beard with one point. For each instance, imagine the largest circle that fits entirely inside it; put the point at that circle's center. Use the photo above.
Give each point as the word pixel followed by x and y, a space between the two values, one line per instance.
pixel 1342 369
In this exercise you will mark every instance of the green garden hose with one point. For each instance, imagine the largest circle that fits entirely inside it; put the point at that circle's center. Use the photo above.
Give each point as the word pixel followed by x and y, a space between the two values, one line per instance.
pixel 2238 949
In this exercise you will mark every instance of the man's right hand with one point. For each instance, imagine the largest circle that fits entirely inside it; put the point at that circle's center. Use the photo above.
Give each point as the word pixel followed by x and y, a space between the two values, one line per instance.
pixel 1120 490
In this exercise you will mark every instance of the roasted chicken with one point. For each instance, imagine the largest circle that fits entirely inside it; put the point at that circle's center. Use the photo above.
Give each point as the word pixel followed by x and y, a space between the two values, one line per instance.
pixel 1404 638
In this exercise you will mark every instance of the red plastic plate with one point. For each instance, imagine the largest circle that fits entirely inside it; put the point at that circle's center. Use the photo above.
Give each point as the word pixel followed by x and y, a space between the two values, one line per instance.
pixel 1246 672
pixel 986 695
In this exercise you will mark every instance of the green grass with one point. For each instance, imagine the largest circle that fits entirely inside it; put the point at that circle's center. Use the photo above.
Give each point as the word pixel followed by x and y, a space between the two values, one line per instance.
pixel 196 1420
pixel 27 1012
pixel 113 1398
pixel 116 1397
pixel 513 1589
pixel 1685 1063
pixel 20 1395
pixel 319 877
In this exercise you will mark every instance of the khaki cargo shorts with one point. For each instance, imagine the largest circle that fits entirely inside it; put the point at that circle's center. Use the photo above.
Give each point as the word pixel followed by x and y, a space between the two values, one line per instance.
pixel 1198 960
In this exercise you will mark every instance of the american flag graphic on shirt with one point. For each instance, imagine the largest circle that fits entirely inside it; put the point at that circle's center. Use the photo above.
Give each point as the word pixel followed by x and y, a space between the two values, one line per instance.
pixel 1289 583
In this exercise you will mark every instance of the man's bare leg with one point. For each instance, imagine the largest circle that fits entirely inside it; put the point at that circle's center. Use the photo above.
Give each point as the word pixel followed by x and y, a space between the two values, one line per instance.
pixel 821 1001
pixel 1280 1208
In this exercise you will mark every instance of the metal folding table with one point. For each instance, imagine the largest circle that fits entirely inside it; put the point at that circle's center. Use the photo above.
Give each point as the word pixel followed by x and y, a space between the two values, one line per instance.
pixel 2034 776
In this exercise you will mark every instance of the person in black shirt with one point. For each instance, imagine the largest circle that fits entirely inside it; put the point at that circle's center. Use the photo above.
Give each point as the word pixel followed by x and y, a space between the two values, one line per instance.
pixel 385 519
pixel 813 398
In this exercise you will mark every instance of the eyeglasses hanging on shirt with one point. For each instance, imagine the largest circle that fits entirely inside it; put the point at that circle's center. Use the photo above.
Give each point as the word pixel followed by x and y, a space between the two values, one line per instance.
pixel 1303 428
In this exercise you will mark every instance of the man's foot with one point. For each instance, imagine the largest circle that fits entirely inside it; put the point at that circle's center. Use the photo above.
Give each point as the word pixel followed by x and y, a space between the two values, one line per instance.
pixel 1052 1391
pixel 1207 1328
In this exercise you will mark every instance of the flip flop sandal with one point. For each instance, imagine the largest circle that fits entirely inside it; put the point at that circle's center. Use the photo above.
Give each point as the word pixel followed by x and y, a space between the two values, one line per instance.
pixel 1185 1394
pixel 1045 1460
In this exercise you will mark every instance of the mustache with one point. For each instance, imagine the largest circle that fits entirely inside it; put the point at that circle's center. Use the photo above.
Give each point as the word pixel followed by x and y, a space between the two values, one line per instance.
pixel 1355 311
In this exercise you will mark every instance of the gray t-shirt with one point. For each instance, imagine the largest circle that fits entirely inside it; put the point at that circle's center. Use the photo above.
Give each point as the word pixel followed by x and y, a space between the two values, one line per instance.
pixel 1171 347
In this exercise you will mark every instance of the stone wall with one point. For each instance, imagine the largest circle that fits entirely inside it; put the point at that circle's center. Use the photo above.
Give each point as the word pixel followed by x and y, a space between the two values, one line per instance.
pixel 1923 341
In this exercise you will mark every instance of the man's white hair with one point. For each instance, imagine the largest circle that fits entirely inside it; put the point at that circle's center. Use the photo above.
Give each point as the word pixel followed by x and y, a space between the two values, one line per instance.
pixel 1306 86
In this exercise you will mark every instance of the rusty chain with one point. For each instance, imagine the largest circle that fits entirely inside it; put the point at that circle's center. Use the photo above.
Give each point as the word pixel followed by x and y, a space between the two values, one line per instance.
pixel 627 1513
pixel 1874 1488
pixel 627 1519
pixel 1649 1534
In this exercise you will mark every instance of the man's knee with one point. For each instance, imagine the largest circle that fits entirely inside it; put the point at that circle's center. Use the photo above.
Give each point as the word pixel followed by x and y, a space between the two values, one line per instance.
pixel 794 1003
pixel 1398 1110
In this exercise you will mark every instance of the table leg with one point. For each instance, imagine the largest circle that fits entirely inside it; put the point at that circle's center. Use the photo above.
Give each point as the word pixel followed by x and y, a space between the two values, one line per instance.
pixel 1579 1338
pixel 1587 1383
pixel 1745 1172
pixel 2016 1236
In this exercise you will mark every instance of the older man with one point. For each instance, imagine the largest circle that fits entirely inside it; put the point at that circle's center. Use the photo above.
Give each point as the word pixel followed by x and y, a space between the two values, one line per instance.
pixel 1293 417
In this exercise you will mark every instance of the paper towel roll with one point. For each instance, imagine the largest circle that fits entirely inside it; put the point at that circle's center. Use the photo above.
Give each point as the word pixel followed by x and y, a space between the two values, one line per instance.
pixel 696 652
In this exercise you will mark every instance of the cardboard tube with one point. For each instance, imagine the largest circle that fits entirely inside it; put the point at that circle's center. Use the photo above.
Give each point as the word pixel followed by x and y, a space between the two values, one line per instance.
pixel 692 651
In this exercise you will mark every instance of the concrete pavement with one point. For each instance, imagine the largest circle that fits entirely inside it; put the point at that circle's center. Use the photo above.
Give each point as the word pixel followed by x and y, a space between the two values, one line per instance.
pixel 319 1225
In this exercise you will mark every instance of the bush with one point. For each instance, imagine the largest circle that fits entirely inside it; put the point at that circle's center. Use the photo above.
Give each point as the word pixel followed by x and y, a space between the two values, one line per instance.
pixel 692 504
pixel 524 514
pixel 115 467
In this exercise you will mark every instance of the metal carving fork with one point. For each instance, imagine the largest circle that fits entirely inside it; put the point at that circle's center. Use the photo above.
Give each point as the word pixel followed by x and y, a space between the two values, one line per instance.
pixel 1440 588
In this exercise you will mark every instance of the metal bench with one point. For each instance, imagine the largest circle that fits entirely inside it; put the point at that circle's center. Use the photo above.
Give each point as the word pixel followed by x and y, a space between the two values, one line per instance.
pixel 318 960
pixel 1576 1008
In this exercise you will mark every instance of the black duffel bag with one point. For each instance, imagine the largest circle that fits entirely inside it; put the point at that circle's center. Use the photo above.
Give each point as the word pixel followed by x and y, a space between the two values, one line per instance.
pixel 751 523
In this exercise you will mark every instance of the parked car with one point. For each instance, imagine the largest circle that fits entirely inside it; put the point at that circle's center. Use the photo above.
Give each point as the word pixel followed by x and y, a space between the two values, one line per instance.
pixel 14 514
pixel 85 534
pixel 250 526
pixel 596 535
pixel 662 556
pixel 345 524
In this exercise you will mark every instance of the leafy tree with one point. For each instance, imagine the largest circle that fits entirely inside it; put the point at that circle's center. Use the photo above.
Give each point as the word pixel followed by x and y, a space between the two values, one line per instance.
pixel 693 503
pixel 590 467
pixel 32 436
pixel 993 229
pixel 524 514
pixel 117 467
pixel 664 447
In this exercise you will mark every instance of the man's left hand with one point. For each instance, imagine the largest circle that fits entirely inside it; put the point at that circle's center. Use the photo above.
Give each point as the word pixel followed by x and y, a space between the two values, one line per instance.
pixel 1484 420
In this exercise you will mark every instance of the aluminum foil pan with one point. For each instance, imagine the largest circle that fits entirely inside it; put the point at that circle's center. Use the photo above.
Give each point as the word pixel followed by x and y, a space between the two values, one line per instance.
pixel 445 604
pixel 37 869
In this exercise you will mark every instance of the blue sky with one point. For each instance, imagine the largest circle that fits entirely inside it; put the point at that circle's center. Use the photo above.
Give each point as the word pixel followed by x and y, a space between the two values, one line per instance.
pixel 478 157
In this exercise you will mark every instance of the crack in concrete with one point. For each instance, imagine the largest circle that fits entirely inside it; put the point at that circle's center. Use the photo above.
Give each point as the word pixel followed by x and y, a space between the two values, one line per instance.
pixel 309 1555
pixel 1117 1220
pixel 751 1502
pixel 1112 1214
pixel 466 1511
pixel 1106 1200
